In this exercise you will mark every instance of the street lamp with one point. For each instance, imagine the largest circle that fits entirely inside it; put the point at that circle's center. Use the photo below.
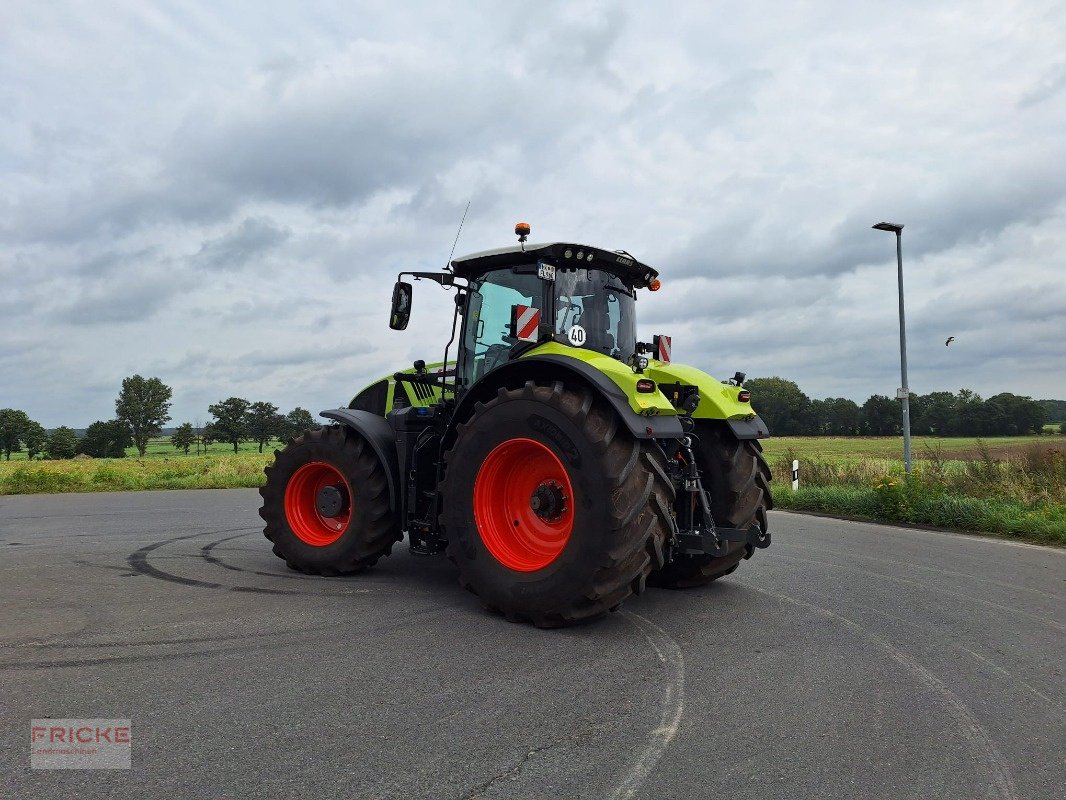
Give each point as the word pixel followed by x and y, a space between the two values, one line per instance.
pixel 904 393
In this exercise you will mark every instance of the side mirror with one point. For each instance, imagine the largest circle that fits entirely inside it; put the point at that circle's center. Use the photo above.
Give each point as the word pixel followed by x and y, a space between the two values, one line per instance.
pixel 401 306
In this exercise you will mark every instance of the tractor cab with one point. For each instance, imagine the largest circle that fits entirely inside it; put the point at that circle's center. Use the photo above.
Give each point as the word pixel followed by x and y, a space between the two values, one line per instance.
pixel 553 296
pixel 515 298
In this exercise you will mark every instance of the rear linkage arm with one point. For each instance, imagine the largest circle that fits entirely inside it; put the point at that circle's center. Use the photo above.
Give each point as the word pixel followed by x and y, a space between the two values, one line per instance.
pixel 712 540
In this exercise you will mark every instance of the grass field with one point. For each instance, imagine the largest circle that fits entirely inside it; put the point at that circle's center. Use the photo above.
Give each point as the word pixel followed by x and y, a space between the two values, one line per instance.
pixel 891 447
pixel 213 471
pixel 1011 486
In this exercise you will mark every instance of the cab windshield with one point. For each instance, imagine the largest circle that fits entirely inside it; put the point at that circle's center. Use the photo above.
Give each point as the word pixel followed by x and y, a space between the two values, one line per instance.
pixel 595 310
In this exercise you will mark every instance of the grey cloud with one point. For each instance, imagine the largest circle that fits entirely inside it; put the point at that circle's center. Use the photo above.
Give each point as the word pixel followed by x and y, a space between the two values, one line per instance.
pixel 131 298
pixel 979 204
pixel 254 237
pixel 1047 87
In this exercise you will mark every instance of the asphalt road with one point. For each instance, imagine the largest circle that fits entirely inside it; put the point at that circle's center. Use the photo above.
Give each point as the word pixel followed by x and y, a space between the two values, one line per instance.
pixel 848 660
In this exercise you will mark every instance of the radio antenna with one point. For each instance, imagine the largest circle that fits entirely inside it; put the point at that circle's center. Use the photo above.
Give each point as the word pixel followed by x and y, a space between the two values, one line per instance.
pixel 448 266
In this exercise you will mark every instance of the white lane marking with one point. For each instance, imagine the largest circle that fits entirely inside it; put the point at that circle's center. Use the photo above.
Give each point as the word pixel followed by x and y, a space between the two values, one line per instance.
pixel 927 587
pixel 669 653
pixel 988 538
pixel 970 727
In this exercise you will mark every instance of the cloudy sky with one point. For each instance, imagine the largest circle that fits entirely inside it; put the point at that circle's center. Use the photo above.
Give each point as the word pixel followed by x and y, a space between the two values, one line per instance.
pixel 222 198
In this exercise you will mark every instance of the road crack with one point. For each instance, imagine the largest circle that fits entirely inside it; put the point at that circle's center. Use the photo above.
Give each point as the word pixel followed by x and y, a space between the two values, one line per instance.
pixel 512 773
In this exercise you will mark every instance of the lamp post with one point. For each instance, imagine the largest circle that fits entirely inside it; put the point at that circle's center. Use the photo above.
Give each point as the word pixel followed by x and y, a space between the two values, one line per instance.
pixel 904 393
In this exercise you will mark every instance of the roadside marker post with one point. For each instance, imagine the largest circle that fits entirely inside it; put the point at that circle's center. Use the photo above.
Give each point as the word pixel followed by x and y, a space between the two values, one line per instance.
pixel 795 475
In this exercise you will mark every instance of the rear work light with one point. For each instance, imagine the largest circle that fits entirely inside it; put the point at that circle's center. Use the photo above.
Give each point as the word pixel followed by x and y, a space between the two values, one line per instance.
pixel 744 396
pixel 645 386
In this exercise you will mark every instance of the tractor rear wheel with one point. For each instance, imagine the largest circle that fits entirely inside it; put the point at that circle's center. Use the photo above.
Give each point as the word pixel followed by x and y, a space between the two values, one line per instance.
pixel 326 504
pixel 554 512
pixel 737 477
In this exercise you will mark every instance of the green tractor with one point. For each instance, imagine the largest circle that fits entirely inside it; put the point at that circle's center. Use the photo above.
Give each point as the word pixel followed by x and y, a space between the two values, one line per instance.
pixel 560 463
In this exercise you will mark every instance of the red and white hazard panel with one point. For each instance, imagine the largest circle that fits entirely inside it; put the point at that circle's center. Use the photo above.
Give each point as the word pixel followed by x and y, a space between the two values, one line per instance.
pixel 662 348
pixel 527 323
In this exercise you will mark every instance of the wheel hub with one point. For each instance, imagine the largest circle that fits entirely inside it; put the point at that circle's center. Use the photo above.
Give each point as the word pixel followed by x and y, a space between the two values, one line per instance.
pixel 331 501
pixel 548 501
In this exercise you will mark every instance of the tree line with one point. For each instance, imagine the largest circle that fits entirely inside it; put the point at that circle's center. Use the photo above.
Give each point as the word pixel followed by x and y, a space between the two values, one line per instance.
pixel 142 408
pixel 787 411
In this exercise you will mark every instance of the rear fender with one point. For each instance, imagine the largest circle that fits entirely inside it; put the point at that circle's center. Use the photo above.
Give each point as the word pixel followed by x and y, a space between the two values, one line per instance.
pixel 551 367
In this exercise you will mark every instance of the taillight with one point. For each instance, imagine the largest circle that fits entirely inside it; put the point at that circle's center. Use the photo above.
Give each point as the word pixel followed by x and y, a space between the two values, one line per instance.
pixel 645 386
pixel 744 396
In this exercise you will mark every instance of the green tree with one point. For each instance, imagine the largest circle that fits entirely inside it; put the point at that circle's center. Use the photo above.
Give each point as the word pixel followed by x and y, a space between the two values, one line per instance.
pixel 35 438
pixel 1015 415
pixel 297 421
pixel 62 443
pixel 144 405
pixel 934 414
pixel 231 421
pixel 106 440
pixel 13 425
pixel 183 437
pixel 842 416
pixel 815 420
pixel 881 416
pixel 972 416
pixel 264 423
pixel 1054 410
pixel 780 403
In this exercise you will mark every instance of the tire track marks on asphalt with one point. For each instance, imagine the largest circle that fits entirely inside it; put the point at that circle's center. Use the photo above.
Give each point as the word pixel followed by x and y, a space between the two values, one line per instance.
pixel 138 561
pixel 805 548
pixel 969 726
pixel 673 706
pixel 927 587
pixel 909 622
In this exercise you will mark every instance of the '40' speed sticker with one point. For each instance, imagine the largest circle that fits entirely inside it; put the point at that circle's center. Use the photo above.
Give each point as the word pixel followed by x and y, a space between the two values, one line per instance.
pixel 576 335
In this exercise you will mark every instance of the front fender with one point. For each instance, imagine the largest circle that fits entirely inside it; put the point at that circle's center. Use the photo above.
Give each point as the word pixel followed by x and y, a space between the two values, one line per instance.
pixel 718 401
pixel 378 433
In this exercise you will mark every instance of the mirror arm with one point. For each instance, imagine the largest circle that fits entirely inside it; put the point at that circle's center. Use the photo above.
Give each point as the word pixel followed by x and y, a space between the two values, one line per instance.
pixel 443 278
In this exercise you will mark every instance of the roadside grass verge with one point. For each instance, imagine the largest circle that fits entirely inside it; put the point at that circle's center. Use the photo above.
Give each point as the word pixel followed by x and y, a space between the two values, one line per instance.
pixel 1022 495
pixel 215 471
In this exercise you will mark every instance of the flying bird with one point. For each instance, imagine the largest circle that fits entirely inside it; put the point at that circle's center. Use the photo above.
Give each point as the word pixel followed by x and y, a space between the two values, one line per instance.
pixel 949 341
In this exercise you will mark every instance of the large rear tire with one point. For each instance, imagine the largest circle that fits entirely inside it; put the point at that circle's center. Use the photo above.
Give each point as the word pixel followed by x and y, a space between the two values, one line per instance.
pixel 554 512
pixel 326 504
pixel 737 477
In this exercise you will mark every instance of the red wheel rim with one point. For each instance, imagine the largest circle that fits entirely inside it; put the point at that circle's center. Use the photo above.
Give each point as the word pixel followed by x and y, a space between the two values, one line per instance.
pixel 301 504
pixel 518 475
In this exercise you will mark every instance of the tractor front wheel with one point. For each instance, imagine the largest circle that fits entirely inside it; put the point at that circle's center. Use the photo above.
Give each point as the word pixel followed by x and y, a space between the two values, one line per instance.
pixel 326 504
pixel 554 512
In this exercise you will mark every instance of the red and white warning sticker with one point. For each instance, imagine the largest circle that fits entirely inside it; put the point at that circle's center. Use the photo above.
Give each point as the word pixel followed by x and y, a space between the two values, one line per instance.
pixel 527 322
pixel 663 347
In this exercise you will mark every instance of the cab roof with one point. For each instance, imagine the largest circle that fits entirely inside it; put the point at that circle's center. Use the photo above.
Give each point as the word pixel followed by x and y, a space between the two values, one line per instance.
pixel 562 254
